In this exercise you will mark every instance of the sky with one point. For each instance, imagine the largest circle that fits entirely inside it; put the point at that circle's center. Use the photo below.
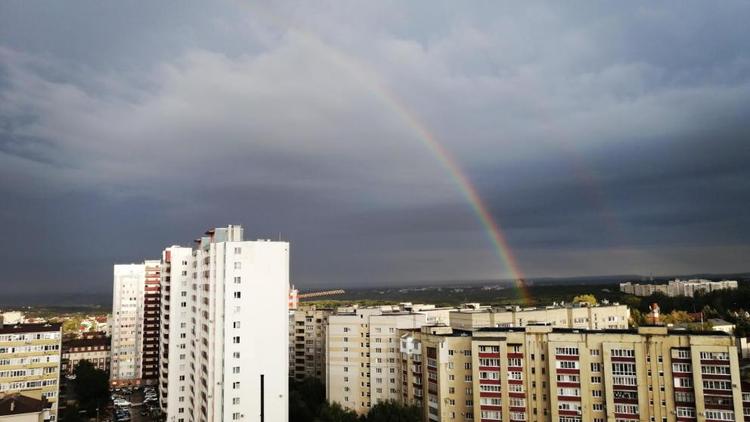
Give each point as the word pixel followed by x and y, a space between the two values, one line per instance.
pixel 601 137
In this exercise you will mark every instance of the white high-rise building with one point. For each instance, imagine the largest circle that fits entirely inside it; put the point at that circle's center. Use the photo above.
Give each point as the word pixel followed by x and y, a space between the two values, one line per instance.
pixel 176 281
pixel 233 311
pixel 127 323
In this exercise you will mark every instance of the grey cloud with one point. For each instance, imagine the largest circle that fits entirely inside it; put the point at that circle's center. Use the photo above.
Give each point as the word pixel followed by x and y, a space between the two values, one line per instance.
pixel 604 138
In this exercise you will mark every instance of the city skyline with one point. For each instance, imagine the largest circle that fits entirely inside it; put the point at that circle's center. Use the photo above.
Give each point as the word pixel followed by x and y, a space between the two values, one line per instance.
pixel 382 140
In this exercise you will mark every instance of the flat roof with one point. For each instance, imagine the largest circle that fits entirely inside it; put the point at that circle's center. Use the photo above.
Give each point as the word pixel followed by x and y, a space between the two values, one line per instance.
pixel 603 331
pixel 30 328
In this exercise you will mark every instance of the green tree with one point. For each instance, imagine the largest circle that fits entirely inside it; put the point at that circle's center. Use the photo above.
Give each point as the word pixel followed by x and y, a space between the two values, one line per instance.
pixel 335 413
pixel 91 387
pixel 70 414
pixel 587 298
pixel 676 317
pixel 392 411
pixel 637 318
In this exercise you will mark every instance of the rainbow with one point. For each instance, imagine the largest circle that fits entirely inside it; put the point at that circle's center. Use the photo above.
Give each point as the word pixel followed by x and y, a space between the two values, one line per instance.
pixel 371 80
pixel 468 190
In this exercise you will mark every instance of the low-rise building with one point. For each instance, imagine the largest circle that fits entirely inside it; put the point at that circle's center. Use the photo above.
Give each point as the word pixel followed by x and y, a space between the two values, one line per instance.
pixel 93 347
pixel 19 407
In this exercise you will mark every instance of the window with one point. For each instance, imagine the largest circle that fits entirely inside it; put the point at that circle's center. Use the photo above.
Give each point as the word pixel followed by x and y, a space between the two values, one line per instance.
pixel 596 367
pixel 237 280
pixel 236 400
pixel 236 385
pixel 236 339
pixel 237 265
pixel 623 353
pixel 567 351
pixel 236 370
pixel 236 324
pixel 237 251
pixel 714 356
pixel 681 367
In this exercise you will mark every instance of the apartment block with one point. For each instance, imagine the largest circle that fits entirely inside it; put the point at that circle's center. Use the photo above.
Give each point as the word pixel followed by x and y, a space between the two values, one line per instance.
pixel 362 354
pixel 151 322
pixel 307 341
pixel 437 373
pixel 30 367
pixel 542 373
pixel 677 287
pixel 604 316
pixel 135 324
pixel 235 361
pixel 176 282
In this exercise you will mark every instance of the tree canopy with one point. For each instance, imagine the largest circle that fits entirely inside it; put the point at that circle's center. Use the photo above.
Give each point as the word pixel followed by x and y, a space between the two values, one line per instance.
pixel 587 298
pixel 91 387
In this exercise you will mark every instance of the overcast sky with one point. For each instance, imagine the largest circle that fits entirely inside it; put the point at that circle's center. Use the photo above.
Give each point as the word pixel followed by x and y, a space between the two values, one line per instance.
pixel 604 137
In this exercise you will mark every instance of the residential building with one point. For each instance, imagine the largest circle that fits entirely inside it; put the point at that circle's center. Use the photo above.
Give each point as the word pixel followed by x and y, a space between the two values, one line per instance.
pixel 437 373
pixel 18 407
pixel 307 341
pixel 571 316
pixel 128 323
pixel 30 366
pixel 92 347
pixel 151 322
pixel 677 287
pixel 236 349
pixel 176 282
pixel 362 354
pixel 542 373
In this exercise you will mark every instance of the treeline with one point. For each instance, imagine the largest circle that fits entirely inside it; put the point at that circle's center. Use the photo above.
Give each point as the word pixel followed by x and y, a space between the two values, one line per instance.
pixel 307 404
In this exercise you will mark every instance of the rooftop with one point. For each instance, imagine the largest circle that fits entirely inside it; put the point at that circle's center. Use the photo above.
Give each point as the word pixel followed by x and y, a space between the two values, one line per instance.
pixel 29 328
pixel 18 404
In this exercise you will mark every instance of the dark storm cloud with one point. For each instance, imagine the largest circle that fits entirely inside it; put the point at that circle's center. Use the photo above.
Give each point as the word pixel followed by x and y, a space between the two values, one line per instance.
pixel 606 138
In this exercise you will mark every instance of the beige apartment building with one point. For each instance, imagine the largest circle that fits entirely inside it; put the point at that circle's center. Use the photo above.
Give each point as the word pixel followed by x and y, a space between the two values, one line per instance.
pixel 30 364
pixel 473 316
pixel 307 342
pixel 362 354
pixel 542 373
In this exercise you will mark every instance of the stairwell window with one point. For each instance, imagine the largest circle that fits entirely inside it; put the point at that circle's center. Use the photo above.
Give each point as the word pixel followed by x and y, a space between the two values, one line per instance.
pixel 237 265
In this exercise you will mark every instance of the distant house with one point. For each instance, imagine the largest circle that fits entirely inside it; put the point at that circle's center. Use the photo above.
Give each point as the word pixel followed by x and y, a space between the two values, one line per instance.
pixel 721 325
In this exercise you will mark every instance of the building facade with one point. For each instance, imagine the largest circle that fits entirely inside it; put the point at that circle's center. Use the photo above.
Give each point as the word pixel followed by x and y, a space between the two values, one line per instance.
pixel 541 373
pixel 307 341
pixel 151 322
pixel 236 349
pixel 30 362
pixel 677 287
pixel 92 347
pixel 176 283
pixel 605 316
pixel 127 324
pixel 362 354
